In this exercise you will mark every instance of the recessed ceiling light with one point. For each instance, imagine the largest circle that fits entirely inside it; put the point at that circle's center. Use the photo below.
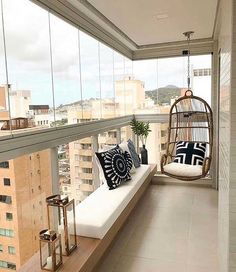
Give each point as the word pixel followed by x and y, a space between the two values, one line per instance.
pixel 161 16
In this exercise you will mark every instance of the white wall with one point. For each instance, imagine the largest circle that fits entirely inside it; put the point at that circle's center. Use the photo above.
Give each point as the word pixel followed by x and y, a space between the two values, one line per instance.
pixel 226 26
pixel 232 185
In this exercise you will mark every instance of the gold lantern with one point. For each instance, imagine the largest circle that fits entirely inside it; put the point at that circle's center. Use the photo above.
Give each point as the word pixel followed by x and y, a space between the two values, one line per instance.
pixel 50 250
pixel 61 217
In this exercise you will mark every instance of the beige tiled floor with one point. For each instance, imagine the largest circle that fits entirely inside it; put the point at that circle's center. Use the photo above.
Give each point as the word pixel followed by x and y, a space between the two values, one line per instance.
pixel 172 229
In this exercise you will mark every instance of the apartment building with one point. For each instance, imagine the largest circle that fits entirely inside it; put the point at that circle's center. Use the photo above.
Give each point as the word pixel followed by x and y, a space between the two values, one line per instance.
pixel 39 114
pixel 25 182
pixel 81 153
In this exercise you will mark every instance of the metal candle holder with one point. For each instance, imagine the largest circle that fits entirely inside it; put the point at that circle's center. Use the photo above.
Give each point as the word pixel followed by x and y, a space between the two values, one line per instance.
pixel 61 217
pixel 50 250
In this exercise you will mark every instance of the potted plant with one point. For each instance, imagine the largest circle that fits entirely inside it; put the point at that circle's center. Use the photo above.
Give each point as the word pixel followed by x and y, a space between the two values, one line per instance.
pixel 141 129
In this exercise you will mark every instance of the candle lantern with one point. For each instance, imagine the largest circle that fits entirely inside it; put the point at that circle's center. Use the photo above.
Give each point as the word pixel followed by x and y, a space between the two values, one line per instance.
pixel 50 250
pixel 61 217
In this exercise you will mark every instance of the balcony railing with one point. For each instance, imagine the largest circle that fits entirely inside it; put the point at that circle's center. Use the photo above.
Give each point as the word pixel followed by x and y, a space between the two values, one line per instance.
pixel 31 140
pixel 87 176
pixel 88 133
pixel 85 164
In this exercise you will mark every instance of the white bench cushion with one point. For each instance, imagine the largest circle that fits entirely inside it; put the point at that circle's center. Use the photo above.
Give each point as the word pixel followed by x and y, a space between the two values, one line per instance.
pixel 97 213
pixel 181 169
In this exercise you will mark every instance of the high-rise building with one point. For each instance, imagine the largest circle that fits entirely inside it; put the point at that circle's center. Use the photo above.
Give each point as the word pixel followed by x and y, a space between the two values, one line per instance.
pixel 25 182
pixel 130 95
pixel 201 81
pixel 81 152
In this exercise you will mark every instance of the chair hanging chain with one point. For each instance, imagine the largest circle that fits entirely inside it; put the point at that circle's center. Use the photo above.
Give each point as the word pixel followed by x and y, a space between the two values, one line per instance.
pixel 188 79
pixel 188 35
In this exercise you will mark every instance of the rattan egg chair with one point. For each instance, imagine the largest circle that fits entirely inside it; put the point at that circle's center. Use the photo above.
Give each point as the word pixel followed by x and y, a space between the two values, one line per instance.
pixel 190 123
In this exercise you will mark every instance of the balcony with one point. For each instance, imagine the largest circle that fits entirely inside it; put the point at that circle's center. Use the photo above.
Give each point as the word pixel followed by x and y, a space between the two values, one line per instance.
pixel 179 232
pixel 85 164
pixel 108 140
pixel 95 128
pixel 85 152
pixel 88 176
pixel 93 82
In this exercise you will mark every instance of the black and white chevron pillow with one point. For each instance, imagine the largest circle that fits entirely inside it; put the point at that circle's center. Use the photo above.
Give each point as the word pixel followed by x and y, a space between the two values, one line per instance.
pixel 115 165
pixel 190 153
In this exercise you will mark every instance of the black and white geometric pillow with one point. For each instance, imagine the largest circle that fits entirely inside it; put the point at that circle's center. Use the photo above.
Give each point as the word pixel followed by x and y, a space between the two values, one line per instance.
pixel 114 165
pixel 190 153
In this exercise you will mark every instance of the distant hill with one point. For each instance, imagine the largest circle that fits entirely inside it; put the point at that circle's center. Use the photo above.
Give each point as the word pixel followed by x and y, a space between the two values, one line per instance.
pixel 163 95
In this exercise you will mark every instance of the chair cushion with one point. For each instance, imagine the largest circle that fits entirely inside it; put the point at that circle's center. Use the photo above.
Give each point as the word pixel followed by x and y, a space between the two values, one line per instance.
pixel 184 170
pixel 99 211
pixel 190 153
pixel 116 166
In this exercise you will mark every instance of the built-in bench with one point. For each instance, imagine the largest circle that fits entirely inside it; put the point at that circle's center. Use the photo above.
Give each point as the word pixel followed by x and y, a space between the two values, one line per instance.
pixel 101 215
pixel 106 212
pixel 98 212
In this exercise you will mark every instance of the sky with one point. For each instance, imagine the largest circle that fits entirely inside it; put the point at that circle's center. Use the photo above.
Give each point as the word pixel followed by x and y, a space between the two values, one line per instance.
pixel 75 57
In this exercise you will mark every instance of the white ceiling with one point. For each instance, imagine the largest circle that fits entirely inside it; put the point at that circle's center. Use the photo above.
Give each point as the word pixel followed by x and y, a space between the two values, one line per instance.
pixel 138 18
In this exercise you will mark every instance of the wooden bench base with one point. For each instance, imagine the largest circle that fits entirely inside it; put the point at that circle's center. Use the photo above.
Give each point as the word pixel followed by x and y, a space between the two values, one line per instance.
pixel 90 251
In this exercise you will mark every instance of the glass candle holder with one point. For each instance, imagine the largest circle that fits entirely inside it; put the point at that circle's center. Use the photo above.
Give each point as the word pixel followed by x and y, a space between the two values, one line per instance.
pixel 61 217
pixel 50 250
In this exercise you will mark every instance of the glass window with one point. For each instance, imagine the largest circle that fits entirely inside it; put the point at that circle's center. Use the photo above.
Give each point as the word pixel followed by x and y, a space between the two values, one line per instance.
pixel 4 164
pixel 11 266
pixel 6 232
pixel 145 85
pixel 11 250
pixel 7 265
pixel 107 81
pixel 9 216
pixel 66 68
pixel 201 84
pixel 6 182
pixel 119 72
pixel 29 68
pixel 3 264
pixel 90 78
pixel 5 199
pixel 1 248
pixel 4 102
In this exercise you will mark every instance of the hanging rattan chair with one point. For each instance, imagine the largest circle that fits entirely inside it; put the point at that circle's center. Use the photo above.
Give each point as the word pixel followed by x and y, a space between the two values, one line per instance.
pixel 190 122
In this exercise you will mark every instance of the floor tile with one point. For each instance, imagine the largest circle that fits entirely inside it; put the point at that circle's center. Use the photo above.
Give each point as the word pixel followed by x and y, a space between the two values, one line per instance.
pixel 133 264
pixel 172 229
